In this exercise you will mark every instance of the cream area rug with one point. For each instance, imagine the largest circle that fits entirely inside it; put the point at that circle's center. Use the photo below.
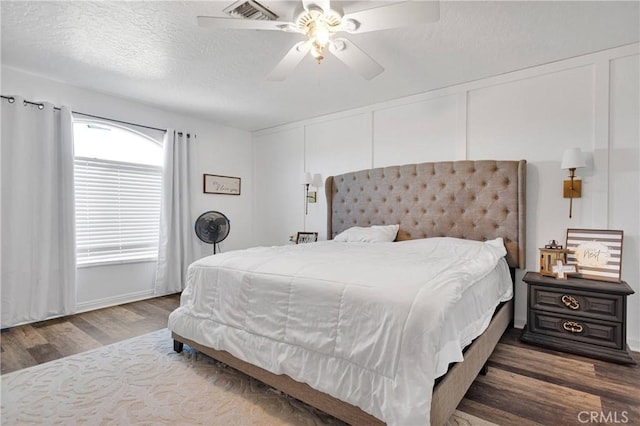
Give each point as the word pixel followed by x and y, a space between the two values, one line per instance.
pixel 142 381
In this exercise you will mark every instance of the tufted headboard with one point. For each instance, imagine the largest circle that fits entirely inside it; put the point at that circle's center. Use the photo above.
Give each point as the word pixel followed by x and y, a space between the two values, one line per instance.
pixel 477 200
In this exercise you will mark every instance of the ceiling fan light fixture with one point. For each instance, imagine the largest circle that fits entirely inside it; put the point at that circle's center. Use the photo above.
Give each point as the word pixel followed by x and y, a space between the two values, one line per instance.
pixel 320 33
pixel 316 52
pixel 319 26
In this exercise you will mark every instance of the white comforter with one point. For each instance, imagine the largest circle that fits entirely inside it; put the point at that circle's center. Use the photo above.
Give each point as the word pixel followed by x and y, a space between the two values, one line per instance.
pixel 359 321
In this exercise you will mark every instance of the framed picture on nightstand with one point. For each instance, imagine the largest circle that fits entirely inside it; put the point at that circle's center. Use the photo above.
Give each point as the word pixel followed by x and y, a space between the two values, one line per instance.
pixel 597 253
pixel 306 237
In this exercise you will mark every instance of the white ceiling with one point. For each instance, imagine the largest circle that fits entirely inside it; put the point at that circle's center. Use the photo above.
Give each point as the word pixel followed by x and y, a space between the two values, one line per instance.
pixel 154 52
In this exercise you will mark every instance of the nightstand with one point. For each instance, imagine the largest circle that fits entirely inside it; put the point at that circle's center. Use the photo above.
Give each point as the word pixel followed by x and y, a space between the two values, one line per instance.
pixel 585 317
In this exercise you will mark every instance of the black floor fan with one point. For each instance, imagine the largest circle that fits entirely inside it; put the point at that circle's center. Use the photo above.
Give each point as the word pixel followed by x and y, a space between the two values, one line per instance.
pixel 212 227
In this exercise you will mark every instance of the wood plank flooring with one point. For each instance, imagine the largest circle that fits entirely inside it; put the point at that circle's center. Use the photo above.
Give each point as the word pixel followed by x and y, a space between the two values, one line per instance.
pixel 529 385
pixel 36 343
pixel 525 385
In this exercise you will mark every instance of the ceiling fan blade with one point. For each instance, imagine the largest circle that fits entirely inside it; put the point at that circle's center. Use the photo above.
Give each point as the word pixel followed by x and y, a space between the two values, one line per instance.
pixel 393 16
pixel 290 60
pixel 355 58
pixel 323 4
pixel 242 24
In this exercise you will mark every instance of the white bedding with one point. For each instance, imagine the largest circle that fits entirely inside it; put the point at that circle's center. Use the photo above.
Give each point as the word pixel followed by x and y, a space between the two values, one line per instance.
pixel 362 322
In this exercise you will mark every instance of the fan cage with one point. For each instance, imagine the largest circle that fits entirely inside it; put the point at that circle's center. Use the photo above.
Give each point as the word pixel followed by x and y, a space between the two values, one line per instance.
pixel 212 227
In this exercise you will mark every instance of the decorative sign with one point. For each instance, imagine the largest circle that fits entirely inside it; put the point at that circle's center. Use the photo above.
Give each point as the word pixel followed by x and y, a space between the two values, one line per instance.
pixel 560 270
pixel 596 253
pixel 593 254
pixel 215 184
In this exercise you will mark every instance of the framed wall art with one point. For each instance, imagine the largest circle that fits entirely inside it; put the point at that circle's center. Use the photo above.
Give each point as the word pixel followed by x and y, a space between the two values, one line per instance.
pixel 306 237
pixel 216 184
pixel 597 253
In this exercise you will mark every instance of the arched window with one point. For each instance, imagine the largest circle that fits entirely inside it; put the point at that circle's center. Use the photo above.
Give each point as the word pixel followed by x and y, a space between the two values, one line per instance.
pixel 118 179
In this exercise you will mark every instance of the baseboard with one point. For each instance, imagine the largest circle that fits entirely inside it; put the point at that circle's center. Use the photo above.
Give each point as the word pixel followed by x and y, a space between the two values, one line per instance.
pixel 519 323
pixel 115 300
pixel 92 305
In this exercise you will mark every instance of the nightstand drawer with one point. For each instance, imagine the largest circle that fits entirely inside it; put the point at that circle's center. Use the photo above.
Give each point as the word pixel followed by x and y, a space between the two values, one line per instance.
pixel 580 329
pixel 606 307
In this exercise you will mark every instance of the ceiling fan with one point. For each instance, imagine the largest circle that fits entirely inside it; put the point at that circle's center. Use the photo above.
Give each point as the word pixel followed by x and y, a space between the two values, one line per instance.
pixel 321 24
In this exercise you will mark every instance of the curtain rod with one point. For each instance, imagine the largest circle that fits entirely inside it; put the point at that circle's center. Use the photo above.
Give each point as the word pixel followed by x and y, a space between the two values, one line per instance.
pixel 11 99
pixel 119 121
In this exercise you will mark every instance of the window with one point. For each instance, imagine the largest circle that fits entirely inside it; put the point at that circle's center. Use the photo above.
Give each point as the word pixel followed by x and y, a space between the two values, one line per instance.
pixel 118 179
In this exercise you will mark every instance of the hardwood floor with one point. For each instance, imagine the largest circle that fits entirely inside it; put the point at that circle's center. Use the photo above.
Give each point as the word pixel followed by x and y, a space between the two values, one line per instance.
pixel 32 344
pixel 525 385
pixel 529 385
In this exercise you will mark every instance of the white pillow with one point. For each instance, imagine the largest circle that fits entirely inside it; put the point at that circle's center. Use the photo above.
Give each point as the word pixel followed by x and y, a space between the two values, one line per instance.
pixel 372 234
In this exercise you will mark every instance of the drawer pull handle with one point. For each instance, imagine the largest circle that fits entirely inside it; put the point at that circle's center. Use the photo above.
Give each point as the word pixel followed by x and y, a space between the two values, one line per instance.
pixel 570 302
pixel 572 326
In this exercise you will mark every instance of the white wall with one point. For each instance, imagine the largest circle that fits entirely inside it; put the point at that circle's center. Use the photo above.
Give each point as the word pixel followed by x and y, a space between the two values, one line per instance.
pixel 278 188
pixel 218 150
pixel 351 137
pixel 589 102
pixel 624 183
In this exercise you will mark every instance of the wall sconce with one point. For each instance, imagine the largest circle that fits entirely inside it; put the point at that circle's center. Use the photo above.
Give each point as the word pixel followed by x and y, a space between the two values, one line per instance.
pixel 572 159
pixel 311 196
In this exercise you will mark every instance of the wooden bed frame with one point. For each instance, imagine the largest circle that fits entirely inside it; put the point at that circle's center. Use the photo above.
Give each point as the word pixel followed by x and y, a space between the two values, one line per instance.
pixel 477 200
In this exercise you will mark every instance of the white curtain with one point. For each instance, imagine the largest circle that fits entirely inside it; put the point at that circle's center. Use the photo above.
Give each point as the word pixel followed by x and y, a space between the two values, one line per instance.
pixel 177 245
pixel 38 224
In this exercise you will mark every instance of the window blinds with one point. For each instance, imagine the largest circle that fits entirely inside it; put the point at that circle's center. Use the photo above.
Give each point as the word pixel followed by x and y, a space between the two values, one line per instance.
pixel 117 210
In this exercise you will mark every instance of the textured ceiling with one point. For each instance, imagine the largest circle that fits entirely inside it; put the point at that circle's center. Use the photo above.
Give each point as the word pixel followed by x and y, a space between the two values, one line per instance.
pixel 154 52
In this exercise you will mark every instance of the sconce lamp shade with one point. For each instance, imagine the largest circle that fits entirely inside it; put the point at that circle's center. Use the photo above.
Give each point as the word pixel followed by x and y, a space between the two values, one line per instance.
pixel 314 180
pixel 307 179
pixel 572 159
pixel 317 180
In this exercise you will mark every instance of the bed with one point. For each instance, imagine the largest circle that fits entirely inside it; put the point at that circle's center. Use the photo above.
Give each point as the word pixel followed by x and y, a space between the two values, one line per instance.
pixel 316 322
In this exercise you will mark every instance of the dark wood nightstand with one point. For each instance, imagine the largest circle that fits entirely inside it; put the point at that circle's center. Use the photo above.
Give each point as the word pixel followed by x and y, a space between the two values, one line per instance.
pixel 586 317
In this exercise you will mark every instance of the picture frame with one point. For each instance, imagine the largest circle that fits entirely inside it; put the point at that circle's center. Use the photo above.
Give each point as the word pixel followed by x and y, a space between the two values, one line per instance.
pixel 217 184
pixel 597 253
pixel 306 237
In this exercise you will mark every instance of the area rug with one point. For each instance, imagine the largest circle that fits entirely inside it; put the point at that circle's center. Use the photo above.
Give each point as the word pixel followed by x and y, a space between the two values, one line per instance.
pixel 142 381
